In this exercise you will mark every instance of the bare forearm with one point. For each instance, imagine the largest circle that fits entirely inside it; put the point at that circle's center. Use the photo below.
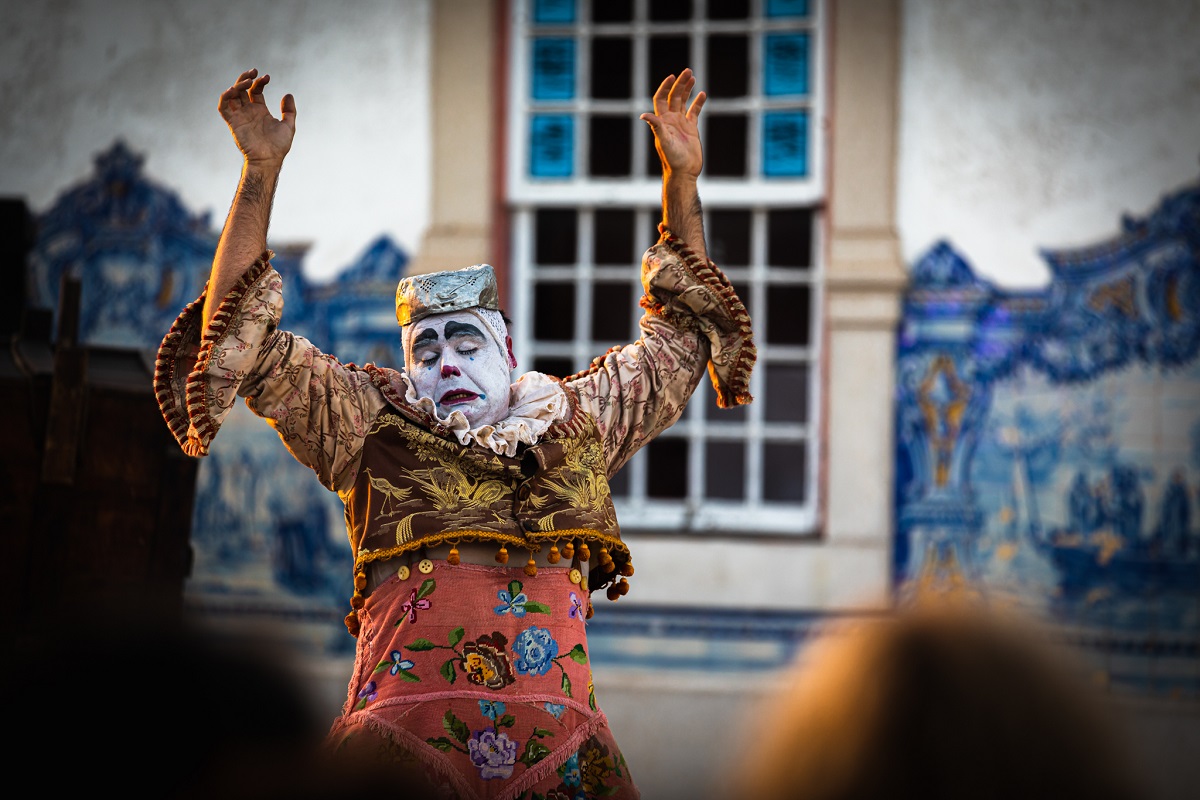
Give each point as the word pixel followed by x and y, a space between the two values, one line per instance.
pixel 682 212
pixel 244 236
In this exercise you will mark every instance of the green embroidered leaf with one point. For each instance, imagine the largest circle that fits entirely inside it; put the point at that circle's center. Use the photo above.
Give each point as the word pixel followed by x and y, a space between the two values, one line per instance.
pixel 609 791
pixel 514 588
pixel 535 751
pixel 578 654
pixel 507 721
pixel 537 608
pixel 426 588
pixel 448 671
pixel 408 676
pixel 421 644
pixel 361 704
pixel 381 666
pixel 456 727
pixel 456 636
pixel 541 732
pixel 566 685
pixel 442 743
pixel 592 700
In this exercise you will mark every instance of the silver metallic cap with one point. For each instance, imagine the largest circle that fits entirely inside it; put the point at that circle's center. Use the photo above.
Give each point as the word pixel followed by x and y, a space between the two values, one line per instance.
pixel 419 296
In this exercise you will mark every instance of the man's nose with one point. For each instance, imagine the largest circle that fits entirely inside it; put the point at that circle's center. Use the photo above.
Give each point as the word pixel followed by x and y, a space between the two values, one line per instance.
pixel 449 370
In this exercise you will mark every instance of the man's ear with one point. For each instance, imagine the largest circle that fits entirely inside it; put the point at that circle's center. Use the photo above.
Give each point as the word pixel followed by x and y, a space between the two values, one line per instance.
pixel 511 358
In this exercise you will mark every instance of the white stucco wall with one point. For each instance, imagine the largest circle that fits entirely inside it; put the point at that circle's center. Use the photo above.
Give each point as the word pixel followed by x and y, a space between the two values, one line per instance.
pixel 1038 124
pixel 74 76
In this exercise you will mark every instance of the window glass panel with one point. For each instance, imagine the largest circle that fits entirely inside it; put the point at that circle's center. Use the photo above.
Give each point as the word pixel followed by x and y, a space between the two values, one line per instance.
pixel 787 315
pixel 785 144
pixel 669 55
pixel 784 468
pixel 670 10
pixel 729 9
pixel 787 8
pixel 653 162
pixel 612 10
pixel 728 66
pixel 610 152
pixel 725 145
pixel 612 304
pixel 789 238
pixel 555 236
pixel 551 145
pixel 555 320
pixel 619 484
pixel 666 468
pixel 614 236
pixel 726 468
pixel 553 11
pixel 558 367
pixel 785 64
pixel 612 65
pixel 728 237
pixel 553 68
pixel 787 393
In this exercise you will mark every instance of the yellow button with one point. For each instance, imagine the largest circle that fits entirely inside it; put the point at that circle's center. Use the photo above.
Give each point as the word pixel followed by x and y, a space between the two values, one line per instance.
pixel 426 566
pixel 576 576
pixel 402 573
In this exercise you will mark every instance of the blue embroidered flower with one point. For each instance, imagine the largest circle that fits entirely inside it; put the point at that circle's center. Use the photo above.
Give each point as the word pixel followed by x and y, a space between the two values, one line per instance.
pixel 571 775
pixel 399 663
pixel 492 709
pixel 511 603
pixel 535 649
pixel 556 709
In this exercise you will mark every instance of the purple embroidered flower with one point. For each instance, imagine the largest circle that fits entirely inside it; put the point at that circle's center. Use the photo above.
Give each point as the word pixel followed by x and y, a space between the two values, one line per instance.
pixel 368 692
pixel 411 606
pixel 492 709
pixel 494 754
pixel 511 603
pixel 535 649
pixel 576 607
pixel 556 709
pixel 399 663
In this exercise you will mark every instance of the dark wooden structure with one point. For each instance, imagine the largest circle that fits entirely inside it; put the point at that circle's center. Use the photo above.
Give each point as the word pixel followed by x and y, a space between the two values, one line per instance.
pixel 95 496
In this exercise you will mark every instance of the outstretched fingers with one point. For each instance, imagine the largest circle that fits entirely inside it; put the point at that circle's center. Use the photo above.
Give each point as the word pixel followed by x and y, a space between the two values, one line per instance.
pixel 661 95
pixel 697 104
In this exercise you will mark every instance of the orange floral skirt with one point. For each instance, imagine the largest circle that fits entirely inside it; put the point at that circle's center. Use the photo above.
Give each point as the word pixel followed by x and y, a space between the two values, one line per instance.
pixel 479 678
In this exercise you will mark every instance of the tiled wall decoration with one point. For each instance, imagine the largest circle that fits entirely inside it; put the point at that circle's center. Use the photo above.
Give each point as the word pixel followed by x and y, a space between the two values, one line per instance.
pixel 1048 444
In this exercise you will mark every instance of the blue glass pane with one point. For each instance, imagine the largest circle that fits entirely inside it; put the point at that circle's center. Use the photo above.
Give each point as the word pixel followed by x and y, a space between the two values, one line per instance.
pixel 551 145
pixel 785 144
pixel 785 64
pixel 787 8
pixel 551 12
pixel 553 69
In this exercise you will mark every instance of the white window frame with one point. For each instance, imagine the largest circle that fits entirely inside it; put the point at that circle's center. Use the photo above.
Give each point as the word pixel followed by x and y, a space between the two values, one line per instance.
pixel 755 193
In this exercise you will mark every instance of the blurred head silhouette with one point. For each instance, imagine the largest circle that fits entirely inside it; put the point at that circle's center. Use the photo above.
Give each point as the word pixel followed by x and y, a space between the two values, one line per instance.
pixel 949 703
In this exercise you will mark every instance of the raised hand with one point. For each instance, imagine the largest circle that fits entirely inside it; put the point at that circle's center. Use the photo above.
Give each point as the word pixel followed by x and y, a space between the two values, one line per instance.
pixel 675 125
pixel 262 138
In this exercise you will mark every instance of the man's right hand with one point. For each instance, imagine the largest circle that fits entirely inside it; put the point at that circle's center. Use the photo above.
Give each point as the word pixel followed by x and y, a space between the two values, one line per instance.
pixel 263 139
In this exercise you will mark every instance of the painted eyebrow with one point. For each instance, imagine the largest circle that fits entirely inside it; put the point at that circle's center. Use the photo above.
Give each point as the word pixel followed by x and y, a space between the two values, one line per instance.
pixel 427 335
pixel 456 329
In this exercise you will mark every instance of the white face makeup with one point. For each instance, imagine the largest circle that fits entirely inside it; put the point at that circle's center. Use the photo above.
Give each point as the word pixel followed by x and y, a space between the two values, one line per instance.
pixel 454 361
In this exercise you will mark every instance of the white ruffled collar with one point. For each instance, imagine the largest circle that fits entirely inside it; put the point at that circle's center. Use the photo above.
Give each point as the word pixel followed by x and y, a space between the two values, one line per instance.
pixel 536 402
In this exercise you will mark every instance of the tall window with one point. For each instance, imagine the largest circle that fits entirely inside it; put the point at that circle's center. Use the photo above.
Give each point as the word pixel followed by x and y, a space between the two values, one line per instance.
pixel 584 188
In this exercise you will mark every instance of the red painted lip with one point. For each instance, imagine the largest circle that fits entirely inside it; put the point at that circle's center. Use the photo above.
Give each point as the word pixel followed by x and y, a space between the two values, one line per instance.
pixel 457 396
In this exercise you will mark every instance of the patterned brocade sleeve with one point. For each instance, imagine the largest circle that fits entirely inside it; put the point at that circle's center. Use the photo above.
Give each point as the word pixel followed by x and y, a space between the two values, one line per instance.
pixel 694 320
pixel 321 408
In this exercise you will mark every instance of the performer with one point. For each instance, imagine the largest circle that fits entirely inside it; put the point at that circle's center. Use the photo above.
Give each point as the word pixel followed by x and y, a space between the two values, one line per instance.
pixel 474 669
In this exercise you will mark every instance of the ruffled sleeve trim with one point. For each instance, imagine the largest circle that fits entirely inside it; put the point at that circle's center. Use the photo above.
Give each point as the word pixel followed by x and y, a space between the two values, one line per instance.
pixel 184 358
